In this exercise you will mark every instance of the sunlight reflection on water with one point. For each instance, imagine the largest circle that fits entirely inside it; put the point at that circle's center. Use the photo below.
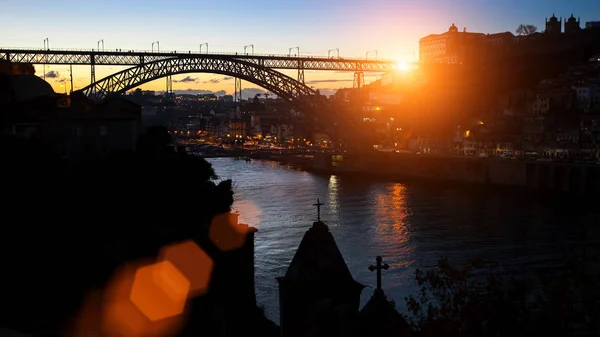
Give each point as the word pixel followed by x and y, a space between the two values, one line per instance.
pixel 410 225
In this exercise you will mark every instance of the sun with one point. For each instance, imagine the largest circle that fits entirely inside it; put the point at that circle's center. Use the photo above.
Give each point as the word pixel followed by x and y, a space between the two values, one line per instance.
pixel 403 65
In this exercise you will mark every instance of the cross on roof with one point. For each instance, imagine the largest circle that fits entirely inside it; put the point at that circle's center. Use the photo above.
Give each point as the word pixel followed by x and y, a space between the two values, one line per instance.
pixel 318 204
pixel 379 267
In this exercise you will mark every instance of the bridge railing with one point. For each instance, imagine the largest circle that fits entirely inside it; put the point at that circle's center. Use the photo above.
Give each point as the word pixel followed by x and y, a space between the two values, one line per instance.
pixel 182 53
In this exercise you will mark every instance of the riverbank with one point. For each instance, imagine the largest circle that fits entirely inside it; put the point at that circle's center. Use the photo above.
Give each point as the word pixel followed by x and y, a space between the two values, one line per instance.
pixel 545 176
pixel 536 175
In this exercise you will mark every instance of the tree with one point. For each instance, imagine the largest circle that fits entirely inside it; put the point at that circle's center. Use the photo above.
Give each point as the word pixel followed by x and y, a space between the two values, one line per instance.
pixel 525 30
pixel 485 300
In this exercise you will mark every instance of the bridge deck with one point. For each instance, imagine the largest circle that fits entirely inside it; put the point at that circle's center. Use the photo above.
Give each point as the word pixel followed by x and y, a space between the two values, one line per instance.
pixel 134 58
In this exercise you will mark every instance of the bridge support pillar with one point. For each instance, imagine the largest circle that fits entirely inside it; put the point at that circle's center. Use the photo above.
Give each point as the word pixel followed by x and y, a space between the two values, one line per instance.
pixel 301 71
pixel 92 69
pixel 169 92
pixel 92 73
pixel 238 90
pixel 359 79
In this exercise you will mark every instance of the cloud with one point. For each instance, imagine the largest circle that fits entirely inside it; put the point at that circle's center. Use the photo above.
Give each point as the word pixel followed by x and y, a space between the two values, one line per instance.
pixel 186 79
pixel 327 81
pixel 327 91
pixel 246 92
pixel 62 80
pixel 227 78
pixel 251 92
pixel 212 80
pixel 191 91
pixel 52 74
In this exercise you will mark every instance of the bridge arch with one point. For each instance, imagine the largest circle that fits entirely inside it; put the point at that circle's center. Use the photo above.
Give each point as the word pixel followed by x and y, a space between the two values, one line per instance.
pixel 280 84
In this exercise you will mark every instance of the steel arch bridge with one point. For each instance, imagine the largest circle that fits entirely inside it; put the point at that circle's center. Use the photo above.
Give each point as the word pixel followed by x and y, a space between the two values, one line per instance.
pixel 271 80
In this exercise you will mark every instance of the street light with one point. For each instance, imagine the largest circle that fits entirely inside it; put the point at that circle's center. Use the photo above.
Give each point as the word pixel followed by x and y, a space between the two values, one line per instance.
pixel 204 44
pixel 372 51
pixel 157 46
pixel 334 49
pixel 251 46
pixel 101 41
pixel 290 51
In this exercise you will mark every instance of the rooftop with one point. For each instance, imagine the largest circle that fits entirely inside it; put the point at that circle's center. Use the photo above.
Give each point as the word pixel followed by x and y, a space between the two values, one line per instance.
pixel 318 260
pixel 379 317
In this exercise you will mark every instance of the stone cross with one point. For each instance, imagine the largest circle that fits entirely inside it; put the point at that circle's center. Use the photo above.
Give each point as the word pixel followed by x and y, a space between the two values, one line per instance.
pixel 379 267
pixel 318 204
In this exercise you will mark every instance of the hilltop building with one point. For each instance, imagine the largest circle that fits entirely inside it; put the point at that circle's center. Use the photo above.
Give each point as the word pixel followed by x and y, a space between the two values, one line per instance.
pixel 449 47
pixel 455 47
pixel 592 24
pixel 554 25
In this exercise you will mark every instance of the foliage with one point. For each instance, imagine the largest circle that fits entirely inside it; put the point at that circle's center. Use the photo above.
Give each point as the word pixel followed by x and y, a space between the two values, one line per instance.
pixel 109 210
pixel 479 301
pixel 525 30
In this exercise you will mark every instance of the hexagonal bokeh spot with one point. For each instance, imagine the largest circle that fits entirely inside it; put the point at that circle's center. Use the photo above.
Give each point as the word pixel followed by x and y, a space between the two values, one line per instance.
pixel 193 262
pixel 226 233
pixel 160 290
pixel 117 316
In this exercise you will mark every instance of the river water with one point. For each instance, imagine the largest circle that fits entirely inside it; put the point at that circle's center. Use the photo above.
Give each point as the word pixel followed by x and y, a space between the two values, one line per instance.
pixel 410 224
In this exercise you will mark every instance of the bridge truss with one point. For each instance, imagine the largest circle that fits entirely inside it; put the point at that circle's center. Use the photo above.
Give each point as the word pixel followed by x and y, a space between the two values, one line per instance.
pixel 136 58
pixel 274 81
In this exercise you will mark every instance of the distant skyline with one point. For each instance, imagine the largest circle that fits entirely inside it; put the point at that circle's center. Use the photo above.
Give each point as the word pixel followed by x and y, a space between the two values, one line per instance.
pixel 392 27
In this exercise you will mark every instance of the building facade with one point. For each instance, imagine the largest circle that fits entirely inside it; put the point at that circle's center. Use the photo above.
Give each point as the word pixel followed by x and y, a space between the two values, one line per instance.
pixel 449 47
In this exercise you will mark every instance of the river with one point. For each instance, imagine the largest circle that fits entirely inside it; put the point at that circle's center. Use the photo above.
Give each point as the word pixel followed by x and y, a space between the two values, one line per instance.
pixel 410 224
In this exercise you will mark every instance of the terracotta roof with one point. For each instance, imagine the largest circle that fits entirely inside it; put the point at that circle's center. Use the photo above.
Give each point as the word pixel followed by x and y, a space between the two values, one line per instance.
pixel 318 260
pixel 379 317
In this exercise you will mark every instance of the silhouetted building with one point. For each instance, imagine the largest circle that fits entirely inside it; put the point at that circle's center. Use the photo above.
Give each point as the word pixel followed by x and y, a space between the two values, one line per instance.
pixel 450 47
pixel 553 26
pixel 572 25
pixel 318 296
pixel 72 124
pixel 379 318
pixel 592 24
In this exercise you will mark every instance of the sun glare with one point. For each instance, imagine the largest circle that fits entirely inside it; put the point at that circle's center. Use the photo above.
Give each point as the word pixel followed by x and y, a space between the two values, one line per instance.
pixel 402 65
